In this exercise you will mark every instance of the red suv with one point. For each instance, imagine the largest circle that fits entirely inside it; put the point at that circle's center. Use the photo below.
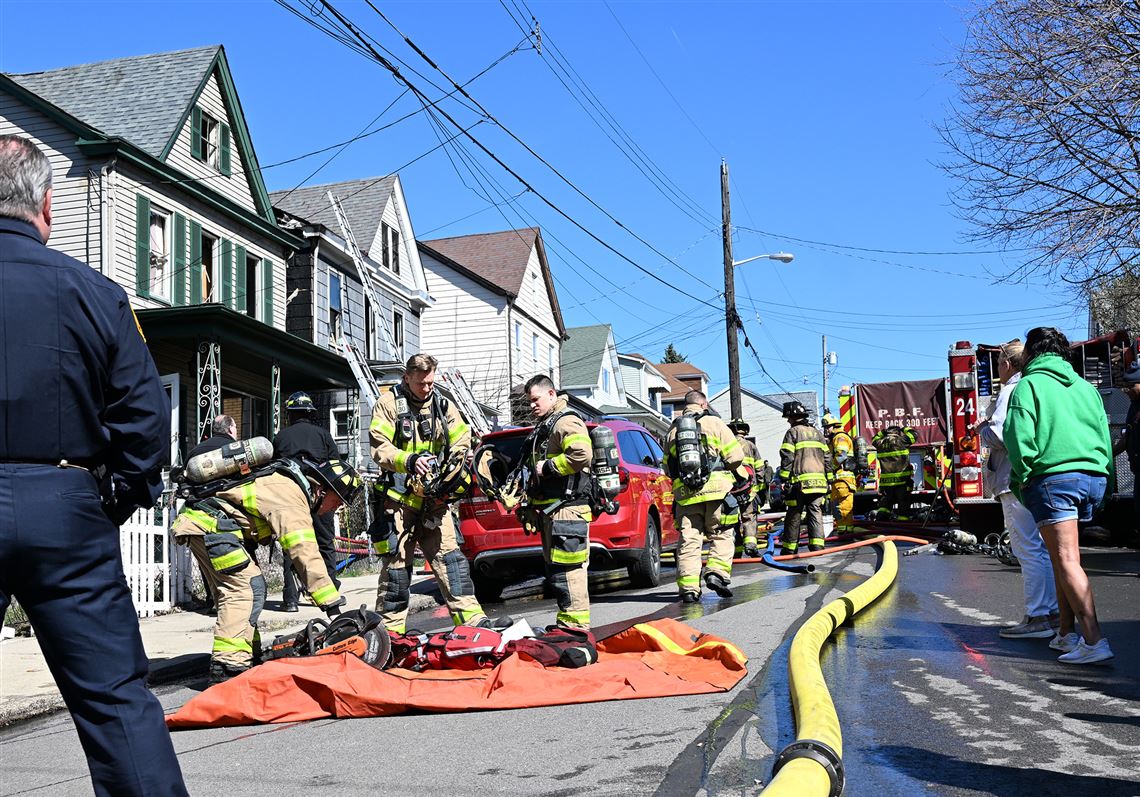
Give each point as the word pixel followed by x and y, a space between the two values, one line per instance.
pixel 500 551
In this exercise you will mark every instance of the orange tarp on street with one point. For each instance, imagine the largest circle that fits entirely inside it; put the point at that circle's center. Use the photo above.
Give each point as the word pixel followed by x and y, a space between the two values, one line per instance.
pixel 657 659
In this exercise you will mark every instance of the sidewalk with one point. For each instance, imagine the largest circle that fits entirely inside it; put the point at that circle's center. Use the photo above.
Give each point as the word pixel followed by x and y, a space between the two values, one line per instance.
pixel 177 645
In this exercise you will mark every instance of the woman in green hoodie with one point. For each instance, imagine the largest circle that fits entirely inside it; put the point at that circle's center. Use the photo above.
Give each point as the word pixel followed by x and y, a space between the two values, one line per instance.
pixel 1056 435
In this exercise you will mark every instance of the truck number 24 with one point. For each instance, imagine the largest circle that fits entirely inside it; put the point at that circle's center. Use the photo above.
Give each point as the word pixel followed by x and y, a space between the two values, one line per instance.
pixel 964 406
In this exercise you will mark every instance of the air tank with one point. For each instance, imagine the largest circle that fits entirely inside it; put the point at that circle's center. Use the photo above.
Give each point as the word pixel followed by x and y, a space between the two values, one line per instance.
pixel 237 458
pixel 605 463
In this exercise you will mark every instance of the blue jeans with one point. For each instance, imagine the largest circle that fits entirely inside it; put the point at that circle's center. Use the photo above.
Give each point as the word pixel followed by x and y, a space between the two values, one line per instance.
pixel 1058 497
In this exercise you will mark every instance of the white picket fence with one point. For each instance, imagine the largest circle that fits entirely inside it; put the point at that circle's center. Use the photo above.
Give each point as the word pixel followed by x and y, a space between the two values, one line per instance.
pixel 158 571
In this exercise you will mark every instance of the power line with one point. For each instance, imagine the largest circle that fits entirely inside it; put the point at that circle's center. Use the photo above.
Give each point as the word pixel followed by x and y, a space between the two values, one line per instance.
pixel 395 71
pixel 519 141
pixel 877 251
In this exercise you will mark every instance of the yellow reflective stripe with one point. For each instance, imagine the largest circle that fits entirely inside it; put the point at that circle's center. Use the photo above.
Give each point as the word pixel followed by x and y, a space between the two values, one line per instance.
pixel 385 428
pixel 229 559
pixel 810 444
pixel 232 645
pixel 562 465
pixel 457 432
pixel 671 646
pixel 902 453
pixel 560 557
pixel 787 447
pixel 573 618
pixel 397 628
pixel 407 499
pixel 296 537
pixel 323 596
pixel 401 461
pixel 688 581
pixel 572 439
pixel 714 562
pixel 466 616
pixel 261 529
pixel 784 474
pixel 203 519
pixel 730 446
pixel 382 547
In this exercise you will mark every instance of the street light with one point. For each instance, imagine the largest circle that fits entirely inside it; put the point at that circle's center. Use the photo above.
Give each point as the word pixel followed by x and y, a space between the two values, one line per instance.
pixel 783 257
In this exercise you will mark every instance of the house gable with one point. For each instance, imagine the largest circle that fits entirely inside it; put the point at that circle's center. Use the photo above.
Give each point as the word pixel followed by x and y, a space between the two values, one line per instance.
pixel 234 172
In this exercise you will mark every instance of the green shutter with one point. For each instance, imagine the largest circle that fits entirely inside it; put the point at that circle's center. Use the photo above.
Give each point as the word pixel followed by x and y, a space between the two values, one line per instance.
pixel 224 149
pixel 239 265
pixel 142 245
pixel 196 133
pixel 178 276
pixel 227 272
pixel 267 290
pixel 195 263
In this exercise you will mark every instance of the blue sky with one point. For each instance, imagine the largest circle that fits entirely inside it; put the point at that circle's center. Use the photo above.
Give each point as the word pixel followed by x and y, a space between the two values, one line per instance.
pixel 825 112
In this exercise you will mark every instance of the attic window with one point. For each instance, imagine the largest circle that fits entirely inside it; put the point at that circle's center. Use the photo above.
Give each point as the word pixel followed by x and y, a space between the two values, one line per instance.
pixel 210 140
pixel 390 247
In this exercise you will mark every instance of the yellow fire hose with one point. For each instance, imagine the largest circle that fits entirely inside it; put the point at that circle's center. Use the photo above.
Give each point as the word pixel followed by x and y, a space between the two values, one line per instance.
pixel 812 765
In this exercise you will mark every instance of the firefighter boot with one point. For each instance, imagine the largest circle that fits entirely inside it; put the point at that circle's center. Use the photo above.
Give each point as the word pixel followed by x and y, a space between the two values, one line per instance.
pixel 717 583
pixel 690 597
pixel 220 671
pixel 815 543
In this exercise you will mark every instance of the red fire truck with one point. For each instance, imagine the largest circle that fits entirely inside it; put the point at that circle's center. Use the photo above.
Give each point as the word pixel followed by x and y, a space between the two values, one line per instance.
pixel 974 385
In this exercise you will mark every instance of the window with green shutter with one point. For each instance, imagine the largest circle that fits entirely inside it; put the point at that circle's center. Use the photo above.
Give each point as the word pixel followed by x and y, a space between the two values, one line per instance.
pixel 224 148
pixel 267 290
pixel 195 265
pixel 142 245
pixel 227 265
pixel 178 276
pixel 239 267
pixel 197 151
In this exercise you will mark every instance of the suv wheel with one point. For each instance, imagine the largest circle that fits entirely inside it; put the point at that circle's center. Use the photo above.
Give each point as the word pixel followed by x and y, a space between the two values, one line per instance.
pixel 645 571
pixel 488 589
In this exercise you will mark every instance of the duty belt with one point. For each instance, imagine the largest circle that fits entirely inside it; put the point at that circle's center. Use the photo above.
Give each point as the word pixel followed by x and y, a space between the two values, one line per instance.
pixel 64 462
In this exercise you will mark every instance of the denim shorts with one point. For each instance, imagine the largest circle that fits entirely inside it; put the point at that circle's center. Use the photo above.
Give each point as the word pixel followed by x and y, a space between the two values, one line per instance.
pixel 1057 497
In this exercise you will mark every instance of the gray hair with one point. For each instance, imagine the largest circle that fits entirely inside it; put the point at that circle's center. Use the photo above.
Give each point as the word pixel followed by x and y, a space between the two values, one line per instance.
pixel 25 177
pixel 224 424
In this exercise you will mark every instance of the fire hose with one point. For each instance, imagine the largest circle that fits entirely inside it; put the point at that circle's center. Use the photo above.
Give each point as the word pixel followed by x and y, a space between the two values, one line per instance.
pixel 813 765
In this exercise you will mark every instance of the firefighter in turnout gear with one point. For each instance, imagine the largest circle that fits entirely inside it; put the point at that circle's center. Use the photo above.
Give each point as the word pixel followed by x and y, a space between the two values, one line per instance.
pixel 843 475
pixel 805 461
pixel 705 461
pixel 752 460
pixel 224 528
pixel 416 435
pixel 896 474
pixel 558 492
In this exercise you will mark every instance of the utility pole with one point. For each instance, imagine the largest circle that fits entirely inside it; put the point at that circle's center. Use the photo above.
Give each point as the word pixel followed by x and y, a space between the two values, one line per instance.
pixel 730 321
pixel 823 408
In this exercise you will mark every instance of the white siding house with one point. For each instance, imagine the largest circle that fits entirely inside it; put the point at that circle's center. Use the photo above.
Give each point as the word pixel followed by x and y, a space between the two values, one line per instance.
pixel 496 314
pixel 763 415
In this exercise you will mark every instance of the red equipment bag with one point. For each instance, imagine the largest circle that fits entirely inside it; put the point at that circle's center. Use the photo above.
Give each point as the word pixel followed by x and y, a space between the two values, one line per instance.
pixel 559 647
pixel 462 648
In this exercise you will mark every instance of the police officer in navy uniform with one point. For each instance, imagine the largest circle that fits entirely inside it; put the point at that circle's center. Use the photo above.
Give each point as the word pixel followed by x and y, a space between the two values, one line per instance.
pixel 304 438
pixel 80 396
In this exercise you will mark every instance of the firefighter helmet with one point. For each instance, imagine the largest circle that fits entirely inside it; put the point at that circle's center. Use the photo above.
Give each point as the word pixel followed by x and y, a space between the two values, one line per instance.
pixel 339 477
pixel 739 426
pixel 830 420
pixel 794 409
pixel 300 402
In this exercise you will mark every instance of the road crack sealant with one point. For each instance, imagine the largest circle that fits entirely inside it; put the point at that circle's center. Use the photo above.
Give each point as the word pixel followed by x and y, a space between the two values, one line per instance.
pixel 690 772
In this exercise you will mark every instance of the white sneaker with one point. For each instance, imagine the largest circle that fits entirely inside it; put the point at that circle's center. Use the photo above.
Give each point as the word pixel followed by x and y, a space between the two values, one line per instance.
pixel 1084 653
pixel 1065 643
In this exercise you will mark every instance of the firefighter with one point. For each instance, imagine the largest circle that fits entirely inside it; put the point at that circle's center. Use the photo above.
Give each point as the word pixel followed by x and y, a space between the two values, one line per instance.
pixel 752 460
pixel 224 529
pixel 418 436
pixel 843 473
pixel 305 438
pixel 896 474
pixel 558 495
pixel 805 461
pixel 703 483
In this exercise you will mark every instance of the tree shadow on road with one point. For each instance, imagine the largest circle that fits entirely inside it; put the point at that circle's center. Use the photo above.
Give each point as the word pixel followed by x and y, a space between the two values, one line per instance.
pixel 928 766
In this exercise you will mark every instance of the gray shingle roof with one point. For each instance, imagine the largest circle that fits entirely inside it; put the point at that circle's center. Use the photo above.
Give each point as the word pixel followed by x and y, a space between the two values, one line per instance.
pixel 582 354
pixel 141 99
pixel 363 202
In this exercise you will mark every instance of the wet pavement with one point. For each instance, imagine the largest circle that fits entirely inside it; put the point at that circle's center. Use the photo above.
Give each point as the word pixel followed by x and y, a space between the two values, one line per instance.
pixel 930 699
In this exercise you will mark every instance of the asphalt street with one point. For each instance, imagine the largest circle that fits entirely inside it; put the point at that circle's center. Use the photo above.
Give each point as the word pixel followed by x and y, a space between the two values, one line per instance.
pixel 930 700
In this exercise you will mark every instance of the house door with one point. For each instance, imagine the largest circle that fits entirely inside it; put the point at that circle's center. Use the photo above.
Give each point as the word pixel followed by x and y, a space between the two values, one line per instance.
pixel 172 385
